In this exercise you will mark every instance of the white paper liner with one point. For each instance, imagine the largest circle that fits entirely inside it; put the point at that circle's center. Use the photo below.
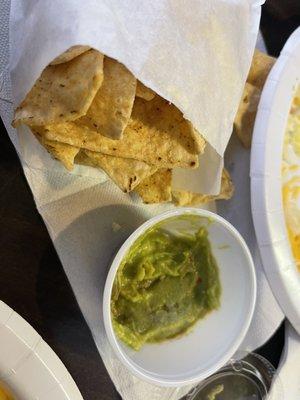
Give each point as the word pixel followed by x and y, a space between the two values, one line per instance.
pixel 197 57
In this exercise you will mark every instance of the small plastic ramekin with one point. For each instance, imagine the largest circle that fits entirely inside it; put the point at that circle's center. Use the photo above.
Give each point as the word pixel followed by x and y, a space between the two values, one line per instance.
pixel 214 339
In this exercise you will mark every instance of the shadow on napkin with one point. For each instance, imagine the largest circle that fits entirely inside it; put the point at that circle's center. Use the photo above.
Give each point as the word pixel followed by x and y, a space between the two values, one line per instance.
pixel 88 245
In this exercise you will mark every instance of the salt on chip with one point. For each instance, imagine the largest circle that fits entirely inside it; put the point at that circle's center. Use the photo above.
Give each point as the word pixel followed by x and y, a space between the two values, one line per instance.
pixel 185 198
pixel 260 68
pixel 111 108
pixel 64 153
pixel 69 54
pixel 157 134
pixel 156 188
pixel 64 92
pixel 125 172
pixel 144 92
pixel 244 120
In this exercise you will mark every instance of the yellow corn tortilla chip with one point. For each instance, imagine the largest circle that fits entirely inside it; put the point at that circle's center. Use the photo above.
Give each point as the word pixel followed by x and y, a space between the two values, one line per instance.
pixel 144 92
pixel 64 92
pixel 260 68
pixel 199 141
pixel 69 54
pixel 126 173
pixel 156 188
pixel 157 134
pixel 111 108
pixel 245 117
pixel 65 153
pixel 185 198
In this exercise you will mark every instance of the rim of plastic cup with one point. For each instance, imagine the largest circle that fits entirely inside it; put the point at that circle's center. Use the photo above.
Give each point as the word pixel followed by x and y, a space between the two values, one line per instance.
pixel 245 364
pixel 194 378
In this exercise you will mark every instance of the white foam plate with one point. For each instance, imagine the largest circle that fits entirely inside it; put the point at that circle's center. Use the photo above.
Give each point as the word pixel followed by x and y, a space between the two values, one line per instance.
pixel 266 183
pixel 28 366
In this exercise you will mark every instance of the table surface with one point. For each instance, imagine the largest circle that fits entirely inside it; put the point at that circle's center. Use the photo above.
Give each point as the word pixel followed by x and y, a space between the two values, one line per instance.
pixel 33 282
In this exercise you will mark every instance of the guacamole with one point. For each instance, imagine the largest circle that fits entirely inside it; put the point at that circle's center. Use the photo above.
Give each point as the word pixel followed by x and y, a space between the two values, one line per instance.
pixel 164 285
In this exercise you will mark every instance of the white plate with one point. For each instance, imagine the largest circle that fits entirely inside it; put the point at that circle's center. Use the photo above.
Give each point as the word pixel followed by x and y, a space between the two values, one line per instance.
pixel 28 365
pixel 266 183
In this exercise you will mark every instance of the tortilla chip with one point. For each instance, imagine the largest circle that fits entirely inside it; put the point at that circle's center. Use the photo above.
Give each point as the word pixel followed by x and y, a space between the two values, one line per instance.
pixel 111 108
pixel 157 134
pixel 144 92
pixel 69 54
pixel 245 117
pixel 60 151
pixel 156 188
pixel 184 198
pixel 64 92
pixel 199 141
pixel 260 68
pixel 125 172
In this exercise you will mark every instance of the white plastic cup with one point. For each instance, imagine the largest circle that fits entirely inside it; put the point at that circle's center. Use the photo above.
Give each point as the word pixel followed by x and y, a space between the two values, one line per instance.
pixel 214 339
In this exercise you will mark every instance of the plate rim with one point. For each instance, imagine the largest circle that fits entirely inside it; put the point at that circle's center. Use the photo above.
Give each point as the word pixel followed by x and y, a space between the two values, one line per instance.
pixel 266 185
pixel 34 345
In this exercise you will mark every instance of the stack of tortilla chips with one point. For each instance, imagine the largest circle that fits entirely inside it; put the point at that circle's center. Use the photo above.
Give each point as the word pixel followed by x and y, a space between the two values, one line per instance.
pixel 89 109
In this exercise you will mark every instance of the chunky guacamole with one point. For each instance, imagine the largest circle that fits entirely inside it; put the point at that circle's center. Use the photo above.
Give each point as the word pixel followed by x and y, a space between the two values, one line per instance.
pixel 164 285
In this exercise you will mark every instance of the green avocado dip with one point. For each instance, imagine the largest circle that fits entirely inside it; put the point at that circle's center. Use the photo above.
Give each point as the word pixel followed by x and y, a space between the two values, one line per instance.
pixel 164 285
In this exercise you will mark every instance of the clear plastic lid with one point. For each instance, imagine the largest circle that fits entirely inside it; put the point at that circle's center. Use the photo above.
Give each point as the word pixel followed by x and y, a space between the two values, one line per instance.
pixel 247 377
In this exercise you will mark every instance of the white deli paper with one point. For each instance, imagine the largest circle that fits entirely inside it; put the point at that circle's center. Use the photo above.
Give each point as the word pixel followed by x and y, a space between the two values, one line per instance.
pixel 197 56
pixel 79 211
